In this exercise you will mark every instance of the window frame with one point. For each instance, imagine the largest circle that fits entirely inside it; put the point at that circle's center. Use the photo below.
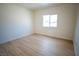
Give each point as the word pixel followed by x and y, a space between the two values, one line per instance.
pixel 50 21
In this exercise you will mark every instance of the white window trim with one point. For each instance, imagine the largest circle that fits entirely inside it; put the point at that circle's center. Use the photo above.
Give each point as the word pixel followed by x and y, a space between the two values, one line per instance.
pixel 50 21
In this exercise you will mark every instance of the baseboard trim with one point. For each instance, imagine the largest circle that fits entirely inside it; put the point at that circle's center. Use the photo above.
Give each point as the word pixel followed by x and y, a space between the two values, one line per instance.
pixel 13 39
pixel 54 37
pixel 30 35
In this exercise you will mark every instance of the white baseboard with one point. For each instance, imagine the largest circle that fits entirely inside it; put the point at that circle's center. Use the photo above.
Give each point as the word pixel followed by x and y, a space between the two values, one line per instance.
pixel 15 38
pixel 53 36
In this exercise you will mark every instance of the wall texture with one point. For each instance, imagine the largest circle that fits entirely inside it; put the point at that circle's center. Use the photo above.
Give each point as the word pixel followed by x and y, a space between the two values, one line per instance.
pixel 76 40
pixel 66 21
pixel 15 22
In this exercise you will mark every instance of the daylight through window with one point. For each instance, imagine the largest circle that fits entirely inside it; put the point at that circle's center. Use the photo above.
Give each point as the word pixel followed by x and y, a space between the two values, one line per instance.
pixel 50 20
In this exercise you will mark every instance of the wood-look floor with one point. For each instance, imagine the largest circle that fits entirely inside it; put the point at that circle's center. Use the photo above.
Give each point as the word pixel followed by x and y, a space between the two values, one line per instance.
pixel 37 45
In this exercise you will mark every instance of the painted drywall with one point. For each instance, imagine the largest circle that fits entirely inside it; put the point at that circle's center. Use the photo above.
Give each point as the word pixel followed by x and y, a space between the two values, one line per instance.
pixel 66 21
pixel 76 39
pixel 15 22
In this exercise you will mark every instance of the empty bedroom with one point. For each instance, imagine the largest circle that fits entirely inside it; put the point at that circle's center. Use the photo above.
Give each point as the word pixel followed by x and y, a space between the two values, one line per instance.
pixel 39 29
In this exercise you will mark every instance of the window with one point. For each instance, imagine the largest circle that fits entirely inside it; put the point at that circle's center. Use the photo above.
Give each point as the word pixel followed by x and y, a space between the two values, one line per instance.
pixel 49 20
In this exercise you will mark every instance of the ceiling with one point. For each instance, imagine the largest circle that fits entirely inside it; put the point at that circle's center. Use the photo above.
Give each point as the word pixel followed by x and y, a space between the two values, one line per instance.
pixel 35 6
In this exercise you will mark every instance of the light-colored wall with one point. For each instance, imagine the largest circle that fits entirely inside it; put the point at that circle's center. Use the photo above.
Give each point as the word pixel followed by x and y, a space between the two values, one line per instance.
pixel 15 22
pixel 66 21
pixel 76 39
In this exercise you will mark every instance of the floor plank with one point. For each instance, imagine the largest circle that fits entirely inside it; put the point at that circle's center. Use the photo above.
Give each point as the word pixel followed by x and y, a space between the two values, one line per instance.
pixel 37 45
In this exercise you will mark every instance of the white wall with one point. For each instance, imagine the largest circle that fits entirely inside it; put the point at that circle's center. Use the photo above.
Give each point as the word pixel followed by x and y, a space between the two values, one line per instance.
pixel 15 22
pixel 76 39
pixel 66 21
